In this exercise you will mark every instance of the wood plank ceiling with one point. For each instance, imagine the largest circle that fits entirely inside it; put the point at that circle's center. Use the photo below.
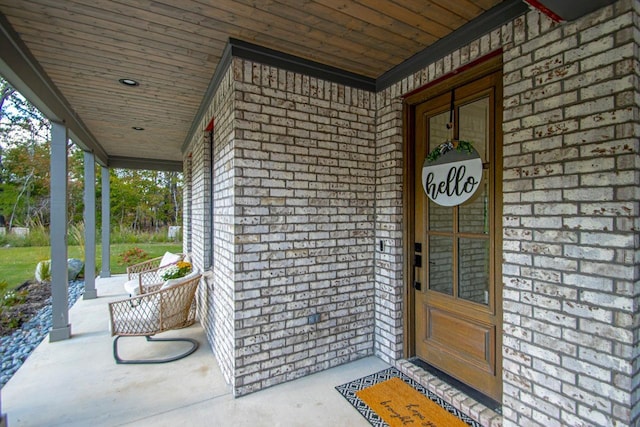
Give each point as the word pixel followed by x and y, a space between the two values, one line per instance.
pixel 172 48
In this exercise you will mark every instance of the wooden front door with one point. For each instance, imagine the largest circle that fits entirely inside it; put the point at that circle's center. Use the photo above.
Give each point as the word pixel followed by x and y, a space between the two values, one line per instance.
pixel 457 250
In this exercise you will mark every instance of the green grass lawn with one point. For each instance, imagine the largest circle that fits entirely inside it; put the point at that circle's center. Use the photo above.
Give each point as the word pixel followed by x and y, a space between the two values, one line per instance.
pixel 18 265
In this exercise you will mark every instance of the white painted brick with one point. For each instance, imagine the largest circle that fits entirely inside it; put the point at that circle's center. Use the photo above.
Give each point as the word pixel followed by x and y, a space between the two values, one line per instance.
pixel 541 196
pixel 551 395
pixel 588 223
pixel 604 194
pixel 585 252
pixel 587 50
pixel 553 102
pixel 601 90
pixel 548 222
pixel 614 240
pixel 607 270
pixel 607 300
pixel 608 57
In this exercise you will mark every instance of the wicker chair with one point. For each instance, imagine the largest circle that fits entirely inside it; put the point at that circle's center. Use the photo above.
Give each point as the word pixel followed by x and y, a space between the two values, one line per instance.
pixel 146 277
pixel 155 312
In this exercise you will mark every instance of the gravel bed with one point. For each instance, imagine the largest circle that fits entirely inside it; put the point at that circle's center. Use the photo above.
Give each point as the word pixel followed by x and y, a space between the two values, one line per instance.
pixel 15 348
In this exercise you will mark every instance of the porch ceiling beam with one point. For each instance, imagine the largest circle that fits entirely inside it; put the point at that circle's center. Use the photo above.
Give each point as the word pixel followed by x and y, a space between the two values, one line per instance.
pixel 120 162
pixel 25 74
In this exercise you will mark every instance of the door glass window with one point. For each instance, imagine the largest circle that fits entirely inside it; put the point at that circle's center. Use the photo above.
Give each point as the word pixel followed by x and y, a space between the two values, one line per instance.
pixel 440 217
pixel 474 213
pixel 438 132
pixel 459 236
pixel 441 264
pixel 473 270
pixel 474 125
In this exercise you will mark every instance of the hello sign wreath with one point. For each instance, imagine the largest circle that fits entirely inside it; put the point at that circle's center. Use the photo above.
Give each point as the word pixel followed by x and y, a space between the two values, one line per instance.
pixel 452 173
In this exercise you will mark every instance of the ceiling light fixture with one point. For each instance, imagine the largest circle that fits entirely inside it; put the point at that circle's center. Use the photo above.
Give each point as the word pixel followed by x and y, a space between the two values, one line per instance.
pixel 136 128
pixel 129 82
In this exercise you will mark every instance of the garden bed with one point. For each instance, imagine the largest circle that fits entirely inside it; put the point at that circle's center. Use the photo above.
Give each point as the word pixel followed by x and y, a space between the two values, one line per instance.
pixel 33 297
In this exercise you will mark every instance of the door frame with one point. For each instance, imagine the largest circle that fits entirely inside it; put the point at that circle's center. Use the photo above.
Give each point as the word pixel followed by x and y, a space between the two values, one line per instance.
pixel 466 74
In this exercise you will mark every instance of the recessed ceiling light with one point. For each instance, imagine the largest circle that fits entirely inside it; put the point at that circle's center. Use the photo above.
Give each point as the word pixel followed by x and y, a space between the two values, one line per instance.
pixel 129 82
pixel 137 128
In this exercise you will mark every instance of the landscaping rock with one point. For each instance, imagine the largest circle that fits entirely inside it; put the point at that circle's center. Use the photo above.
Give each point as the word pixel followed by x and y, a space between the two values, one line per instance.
pixel 75 267
pixel 43 269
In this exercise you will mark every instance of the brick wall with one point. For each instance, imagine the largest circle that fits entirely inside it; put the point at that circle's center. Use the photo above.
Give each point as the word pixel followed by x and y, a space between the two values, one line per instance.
pixel 221 287
pixel 216 291
pixel 305 177
pixel 570 218
pixel 201 194
pixel 308 181
pixel 389 288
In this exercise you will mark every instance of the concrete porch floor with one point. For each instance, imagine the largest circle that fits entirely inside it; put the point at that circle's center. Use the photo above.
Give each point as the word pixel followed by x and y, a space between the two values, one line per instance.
pixel 77 383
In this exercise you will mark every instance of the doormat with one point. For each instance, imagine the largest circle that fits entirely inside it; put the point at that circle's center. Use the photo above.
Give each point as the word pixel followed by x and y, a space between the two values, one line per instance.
pixel 389 398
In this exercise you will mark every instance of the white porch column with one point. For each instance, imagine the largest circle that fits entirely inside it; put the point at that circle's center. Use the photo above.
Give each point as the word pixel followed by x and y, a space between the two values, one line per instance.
pixel 89 226
pixel 106 224
pixel 61 329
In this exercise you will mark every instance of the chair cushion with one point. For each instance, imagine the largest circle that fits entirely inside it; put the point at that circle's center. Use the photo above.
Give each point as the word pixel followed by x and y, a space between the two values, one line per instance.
pixel 132 287
pixel 174 282
pixel 169 258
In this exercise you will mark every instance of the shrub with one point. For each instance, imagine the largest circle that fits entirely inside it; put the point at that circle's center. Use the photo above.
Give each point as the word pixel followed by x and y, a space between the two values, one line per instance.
pixel 13 312
pixel 9 298
pixel 12 298
pixel 43 271
pixel 132 256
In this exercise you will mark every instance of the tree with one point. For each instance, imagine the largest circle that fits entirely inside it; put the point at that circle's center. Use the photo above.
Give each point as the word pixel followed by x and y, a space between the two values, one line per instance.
pixel 75 184
pixel 26 171
pixel 145 200
pixel 23 158
pixel 6 91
